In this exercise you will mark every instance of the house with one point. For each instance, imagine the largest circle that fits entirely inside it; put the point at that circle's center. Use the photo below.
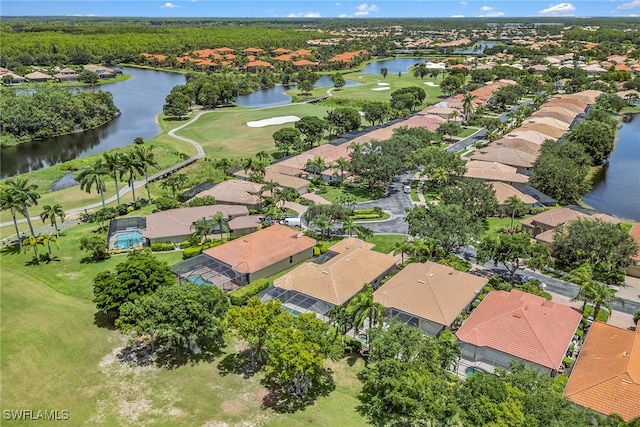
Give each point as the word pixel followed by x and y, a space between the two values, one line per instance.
pixel 493 171
pixel 235 192
pixel 67 75
pixel 606 376
pixel 265 252
pixel 558 113
pixel 304 64
pixel 257 66
pixel 555 123
pixel 429 296
pixel 521 160
pixel 530 135
pixel 241 225
pixel 283 180
pixel 546 129
pixel 15 79
pixel 176 225
pixel 101 71
pixel 548 220
pixel 333 278
pixel 520 144
pixel 548 235
pixel 634 269
pixel 519 326
pixel 38 76
pixel 505 191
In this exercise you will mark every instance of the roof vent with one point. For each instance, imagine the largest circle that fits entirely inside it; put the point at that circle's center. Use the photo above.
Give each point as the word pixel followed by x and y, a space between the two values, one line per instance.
pixel 518 315
pixel 245 240
pixel 625 354
pixel 526 307
pixel 347 260
pixel 421 281
pixel 325 272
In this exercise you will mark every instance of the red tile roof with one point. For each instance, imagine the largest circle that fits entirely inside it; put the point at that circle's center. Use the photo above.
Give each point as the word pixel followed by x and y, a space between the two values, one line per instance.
pixel 523 325
pixel 261 249
pixel 606 376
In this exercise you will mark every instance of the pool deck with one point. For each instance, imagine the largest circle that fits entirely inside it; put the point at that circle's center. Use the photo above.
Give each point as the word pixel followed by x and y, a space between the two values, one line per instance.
pixel 463 364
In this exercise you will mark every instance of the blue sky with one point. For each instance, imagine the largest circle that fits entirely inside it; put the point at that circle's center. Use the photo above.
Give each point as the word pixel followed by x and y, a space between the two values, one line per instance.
pixel 322 8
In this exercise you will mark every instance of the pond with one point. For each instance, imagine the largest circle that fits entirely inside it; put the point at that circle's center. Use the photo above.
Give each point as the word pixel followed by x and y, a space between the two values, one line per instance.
pixel 392 65
pixel 139 99
pixel 477 48
pixel 618 190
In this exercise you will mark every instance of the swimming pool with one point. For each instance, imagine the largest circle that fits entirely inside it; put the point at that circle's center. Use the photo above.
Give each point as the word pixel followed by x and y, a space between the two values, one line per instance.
pixel 197 279
pixel 291 310
pixel 127 239
pixel 472 370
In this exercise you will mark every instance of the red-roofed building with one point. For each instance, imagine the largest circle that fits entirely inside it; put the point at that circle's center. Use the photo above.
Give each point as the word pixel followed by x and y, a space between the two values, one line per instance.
pixel 304 63
pixel 518 326
pixel 258 66
pixel 606 376
pixel 253 50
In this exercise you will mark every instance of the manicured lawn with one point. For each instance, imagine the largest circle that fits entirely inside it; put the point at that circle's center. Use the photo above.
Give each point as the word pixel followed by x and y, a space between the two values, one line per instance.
pixel 467 132
pixel 361 194
pixel 385 242
pixel 224 132
pixel 496 224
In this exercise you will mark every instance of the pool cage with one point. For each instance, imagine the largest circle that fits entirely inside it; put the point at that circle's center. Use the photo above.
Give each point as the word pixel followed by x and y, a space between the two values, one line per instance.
pixel 296 302
pixel 121 225
pixel 205 270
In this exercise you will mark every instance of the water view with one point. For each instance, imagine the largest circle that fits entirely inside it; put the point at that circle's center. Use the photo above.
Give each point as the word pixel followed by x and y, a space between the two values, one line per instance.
pixel 392 65
pixel 618 191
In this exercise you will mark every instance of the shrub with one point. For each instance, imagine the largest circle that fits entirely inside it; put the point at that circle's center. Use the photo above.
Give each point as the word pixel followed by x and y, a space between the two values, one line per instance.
pixel 122 210
pixel 191 252
pixel 186 244
pixel 567 362
pixel 352 345
pixel 166 203
pixel 324 248
pixel 316 251
pixel 242 295
pixel 162 247
pixel 456 263
pixel 636 317
pixel 202 201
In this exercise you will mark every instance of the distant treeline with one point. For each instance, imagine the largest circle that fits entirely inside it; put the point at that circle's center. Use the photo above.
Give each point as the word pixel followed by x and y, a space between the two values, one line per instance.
pixel 51 111
pixel 26 42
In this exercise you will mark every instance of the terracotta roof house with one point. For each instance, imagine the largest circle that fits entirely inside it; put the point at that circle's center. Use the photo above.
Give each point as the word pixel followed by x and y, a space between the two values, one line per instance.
pixel 302 53
pixel 518 144
pixel 38 76
pixel 521 160
pixel 634 268
pixel 559 124
pixel 493 171
pixel 282 179
pixel 558 113
pixel 235 192
pixel 280 51
pixel 304 63
pixel 568 103
pixel 530 135
pixel 521 326
pixel 606 376
pixel 257 66
pixel 549 220
pixel 241 225
pixel 586 96
pixel 544 128
pixel 504 191
pixel 618 59
pixel 253 50
pixel 176 225
pixel 264 253
pixel 333 278
pixel 429 296
pixel 548 235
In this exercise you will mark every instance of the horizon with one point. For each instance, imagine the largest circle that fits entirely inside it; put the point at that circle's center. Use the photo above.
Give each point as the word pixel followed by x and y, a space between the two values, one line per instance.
pixel 322 9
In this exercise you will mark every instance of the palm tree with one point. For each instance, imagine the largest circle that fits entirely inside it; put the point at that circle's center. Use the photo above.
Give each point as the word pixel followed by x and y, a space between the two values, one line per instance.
pixel 92 176
pixel 147 159
pixel 255 168
pixel 323 222
pixel 315 166
pixel 112 165
pixel 494 134
pixel 269 187
pixel 50 213
pixel 454 115
pixel 9 202
pixel 363 232
pixel 32 242
pixel 130 165
pixel 348 225
pixel 401 248
pixel 47 239
pixel 603 295
pixel 342 164
pixel 218 219
pixel 363 307
pixel 201 228
pixel 467 106
pixel 175 183
pixel 515 204
pixel 23 195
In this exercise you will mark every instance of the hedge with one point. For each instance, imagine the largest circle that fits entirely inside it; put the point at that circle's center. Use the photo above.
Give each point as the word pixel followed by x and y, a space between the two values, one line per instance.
pixel 196 250
pixel 242 295
pixel 162 247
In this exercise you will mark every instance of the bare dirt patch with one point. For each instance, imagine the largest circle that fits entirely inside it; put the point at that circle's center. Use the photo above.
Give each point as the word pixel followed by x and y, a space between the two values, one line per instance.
pixel 232 407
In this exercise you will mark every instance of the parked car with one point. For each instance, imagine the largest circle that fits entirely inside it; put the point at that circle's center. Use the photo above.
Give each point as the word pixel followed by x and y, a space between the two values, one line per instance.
pixel 406 189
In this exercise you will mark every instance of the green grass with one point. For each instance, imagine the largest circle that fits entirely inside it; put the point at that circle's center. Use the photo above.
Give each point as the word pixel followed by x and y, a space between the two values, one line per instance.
pixel 467 132
pixel 361 194
pixel 224 132
pixel 496 224
pixel 603 314
pixel 385 243
pixel 414 191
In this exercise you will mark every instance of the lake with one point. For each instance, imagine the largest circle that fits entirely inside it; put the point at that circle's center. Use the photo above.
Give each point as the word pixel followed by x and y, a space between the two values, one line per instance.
pixel 392 65
pixel 139 99
pixel 618 191
pixel 477 48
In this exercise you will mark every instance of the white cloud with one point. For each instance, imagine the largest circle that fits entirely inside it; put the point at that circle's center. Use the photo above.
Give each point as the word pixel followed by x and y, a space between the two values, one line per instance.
pixel 486 8
pixel 495 14
pixel 364 9
pixel 630 5
pixel 343 15
pixel 464 3
pixel 560 9
pixel 457 16
pixel 304 15
pixel 337 4
pixel 169 5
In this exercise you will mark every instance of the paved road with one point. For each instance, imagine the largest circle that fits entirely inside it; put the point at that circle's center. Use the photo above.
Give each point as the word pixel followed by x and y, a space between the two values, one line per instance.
pixel 554 285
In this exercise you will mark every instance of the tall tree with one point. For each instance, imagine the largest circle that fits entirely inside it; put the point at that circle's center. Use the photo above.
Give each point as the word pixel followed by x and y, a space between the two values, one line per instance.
pixel 175 182
pixel 112 165
pixel 596 137
pixel 312 128
pixel 9 202
pixel 130 166
pixel 342 164
pixel 23 194
pixel 218 219
pixel 517 206
pixel 92 175
pixel 363 307
pixel 51 213
pixel 467 105
pixel 146 159
pixel 201 228
pixel 477 197
pixel 375 111
pixel 287 140
pixel 338 81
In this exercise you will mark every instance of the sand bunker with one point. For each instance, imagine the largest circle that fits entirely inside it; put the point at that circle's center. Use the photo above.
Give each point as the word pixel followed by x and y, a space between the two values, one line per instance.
pixel 383 84
pixel 273 121
pixel 381 88
pixel 432 84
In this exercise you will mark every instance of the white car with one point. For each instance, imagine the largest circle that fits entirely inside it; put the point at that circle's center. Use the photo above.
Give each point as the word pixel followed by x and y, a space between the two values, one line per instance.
pixel 406 189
